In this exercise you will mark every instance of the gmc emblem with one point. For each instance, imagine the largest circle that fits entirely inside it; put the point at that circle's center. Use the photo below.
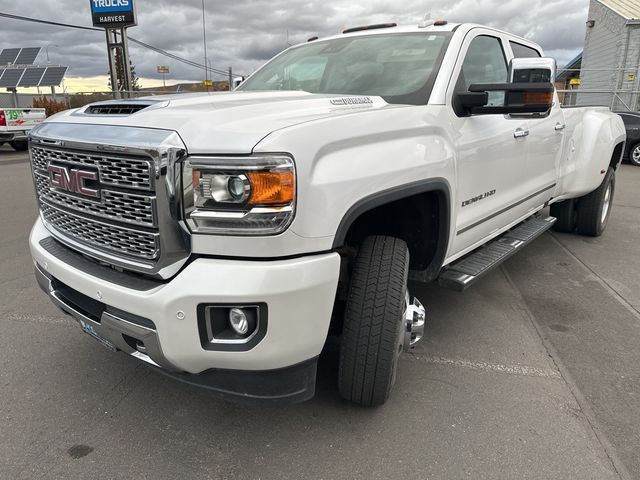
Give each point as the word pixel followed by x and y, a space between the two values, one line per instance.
pixel 73 180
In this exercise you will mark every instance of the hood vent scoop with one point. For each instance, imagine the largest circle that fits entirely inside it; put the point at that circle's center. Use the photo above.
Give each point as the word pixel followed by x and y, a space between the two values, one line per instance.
pixel 119 107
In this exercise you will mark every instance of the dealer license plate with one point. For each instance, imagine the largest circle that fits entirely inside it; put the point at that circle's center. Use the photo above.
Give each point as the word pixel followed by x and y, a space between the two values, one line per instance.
pixel 90 330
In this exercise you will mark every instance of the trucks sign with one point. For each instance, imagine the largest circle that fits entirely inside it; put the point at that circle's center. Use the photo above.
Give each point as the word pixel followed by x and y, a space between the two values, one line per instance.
pixel 113 13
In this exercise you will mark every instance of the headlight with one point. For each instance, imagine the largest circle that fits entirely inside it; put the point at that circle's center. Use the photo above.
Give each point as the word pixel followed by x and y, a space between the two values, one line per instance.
pixel 239 196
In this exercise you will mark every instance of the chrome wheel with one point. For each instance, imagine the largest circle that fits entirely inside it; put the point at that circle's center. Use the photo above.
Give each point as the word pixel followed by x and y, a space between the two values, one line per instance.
pixel 414 322
pixel 606 205
pixel 634 157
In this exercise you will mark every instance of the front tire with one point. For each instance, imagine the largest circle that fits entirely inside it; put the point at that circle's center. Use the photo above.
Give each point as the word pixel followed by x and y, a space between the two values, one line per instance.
pixel 373 330
pixel 20 145
pixel 594 209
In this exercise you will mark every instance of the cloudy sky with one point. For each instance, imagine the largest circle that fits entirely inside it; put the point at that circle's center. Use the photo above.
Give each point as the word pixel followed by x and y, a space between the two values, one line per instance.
pixel 245 33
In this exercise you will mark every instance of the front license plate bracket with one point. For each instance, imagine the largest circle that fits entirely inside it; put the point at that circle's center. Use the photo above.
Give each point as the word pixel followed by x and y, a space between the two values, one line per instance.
pixel 91 331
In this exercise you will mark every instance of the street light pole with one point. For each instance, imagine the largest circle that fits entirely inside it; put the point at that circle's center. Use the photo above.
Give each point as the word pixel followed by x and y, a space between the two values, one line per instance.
pixel 46 49
pixel 53 89
pixel 207 65
pixel 204 42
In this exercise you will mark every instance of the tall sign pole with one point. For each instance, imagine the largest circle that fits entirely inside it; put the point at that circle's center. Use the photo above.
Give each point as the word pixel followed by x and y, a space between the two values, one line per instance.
pixel 204 43
pixel 115 16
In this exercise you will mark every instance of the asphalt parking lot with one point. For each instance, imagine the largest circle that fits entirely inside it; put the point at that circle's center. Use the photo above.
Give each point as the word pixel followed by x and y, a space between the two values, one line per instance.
pixel 533 373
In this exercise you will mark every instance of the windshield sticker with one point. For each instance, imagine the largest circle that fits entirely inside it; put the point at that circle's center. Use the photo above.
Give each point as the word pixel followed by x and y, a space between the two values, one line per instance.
pixel 407 52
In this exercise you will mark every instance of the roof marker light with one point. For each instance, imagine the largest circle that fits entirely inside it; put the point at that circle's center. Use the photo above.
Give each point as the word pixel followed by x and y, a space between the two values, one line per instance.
pixel 370 27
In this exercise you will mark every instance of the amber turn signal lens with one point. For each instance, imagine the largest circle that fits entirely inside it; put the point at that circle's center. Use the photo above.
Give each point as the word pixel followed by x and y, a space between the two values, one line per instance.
pixel 537 98
pixel 271 188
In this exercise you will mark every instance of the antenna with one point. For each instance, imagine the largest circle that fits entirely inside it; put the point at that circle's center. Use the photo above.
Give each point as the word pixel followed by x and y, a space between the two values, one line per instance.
pixel 426 21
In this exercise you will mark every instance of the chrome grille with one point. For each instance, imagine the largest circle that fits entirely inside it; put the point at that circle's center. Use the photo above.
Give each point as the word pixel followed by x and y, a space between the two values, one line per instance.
pixel 118 240
pixel 123 220
pixel 126 172
pixel 128 216
pixel 125 207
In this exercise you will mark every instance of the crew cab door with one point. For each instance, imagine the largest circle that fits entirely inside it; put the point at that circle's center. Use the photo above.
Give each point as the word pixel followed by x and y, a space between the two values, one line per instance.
pixel 491 149
pixel 545 140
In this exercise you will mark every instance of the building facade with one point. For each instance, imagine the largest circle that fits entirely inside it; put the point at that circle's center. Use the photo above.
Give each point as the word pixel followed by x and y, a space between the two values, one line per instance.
pixel 610 70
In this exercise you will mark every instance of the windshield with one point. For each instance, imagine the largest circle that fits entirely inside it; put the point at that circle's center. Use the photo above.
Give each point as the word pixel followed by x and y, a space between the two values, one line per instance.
pixel 399 67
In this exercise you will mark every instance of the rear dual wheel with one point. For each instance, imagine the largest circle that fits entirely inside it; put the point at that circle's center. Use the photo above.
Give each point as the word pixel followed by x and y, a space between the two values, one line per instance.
pixel 594 209
pixel 588 215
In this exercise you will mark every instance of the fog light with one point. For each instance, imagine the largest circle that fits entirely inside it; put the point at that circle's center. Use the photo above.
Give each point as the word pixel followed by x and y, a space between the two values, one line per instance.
pixel 238 321
pixel 232 327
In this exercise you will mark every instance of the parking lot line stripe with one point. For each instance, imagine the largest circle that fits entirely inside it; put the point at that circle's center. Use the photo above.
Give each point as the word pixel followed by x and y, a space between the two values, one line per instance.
pixel 522 370
pixel 20 317
pixel 14 162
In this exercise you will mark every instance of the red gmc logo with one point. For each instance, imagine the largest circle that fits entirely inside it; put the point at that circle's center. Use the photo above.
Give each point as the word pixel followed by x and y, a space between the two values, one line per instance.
pixel 72 180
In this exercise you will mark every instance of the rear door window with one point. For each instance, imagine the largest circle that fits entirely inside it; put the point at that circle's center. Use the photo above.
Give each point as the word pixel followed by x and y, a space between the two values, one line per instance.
pixel 522 51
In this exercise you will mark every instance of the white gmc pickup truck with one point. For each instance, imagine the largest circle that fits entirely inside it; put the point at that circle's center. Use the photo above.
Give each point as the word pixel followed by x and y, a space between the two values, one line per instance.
pixel 221 238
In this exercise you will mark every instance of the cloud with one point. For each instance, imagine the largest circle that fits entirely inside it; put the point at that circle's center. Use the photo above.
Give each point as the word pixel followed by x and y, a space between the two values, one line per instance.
pixel 245 33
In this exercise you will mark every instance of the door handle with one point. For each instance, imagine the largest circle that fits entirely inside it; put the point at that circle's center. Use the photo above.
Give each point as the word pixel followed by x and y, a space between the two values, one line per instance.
pixel 559 126
pixel 519 133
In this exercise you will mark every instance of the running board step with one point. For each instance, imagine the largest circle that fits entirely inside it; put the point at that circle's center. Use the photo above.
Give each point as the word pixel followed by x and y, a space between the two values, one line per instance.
pixel 460 276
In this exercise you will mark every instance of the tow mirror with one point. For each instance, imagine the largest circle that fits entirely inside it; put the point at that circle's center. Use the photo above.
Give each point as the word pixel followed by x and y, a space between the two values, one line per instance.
pixel 530 91
pixel 518 98
pixel 532 70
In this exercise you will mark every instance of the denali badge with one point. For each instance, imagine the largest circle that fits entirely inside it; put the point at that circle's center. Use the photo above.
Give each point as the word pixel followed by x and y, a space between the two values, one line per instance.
pixel 72 180
pixel 351 101
pixel 478 198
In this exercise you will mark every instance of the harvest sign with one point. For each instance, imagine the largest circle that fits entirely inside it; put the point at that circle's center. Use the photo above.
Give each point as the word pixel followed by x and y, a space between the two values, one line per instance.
pixel 113 13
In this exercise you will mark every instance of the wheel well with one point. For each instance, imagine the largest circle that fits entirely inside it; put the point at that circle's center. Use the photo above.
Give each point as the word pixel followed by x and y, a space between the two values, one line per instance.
pixel 421 220
pixel 616 158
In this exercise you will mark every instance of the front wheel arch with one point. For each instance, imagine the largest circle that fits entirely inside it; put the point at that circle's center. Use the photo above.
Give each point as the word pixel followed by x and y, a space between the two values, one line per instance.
pixel 426 230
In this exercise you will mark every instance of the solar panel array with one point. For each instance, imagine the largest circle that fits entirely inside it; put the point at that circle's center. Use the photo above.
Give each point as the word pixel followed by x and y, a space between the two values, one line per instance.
pixel 11 77
pixel 27 56
pixel 53 76
pixel 32 77
pixel 15 72
pixel 19 56
pixel 9 55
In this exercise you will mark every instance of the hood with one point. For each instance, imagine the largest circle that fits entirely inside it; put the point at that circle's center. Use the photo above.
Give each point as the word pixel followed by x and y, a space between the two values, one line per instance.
pixel 224 122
